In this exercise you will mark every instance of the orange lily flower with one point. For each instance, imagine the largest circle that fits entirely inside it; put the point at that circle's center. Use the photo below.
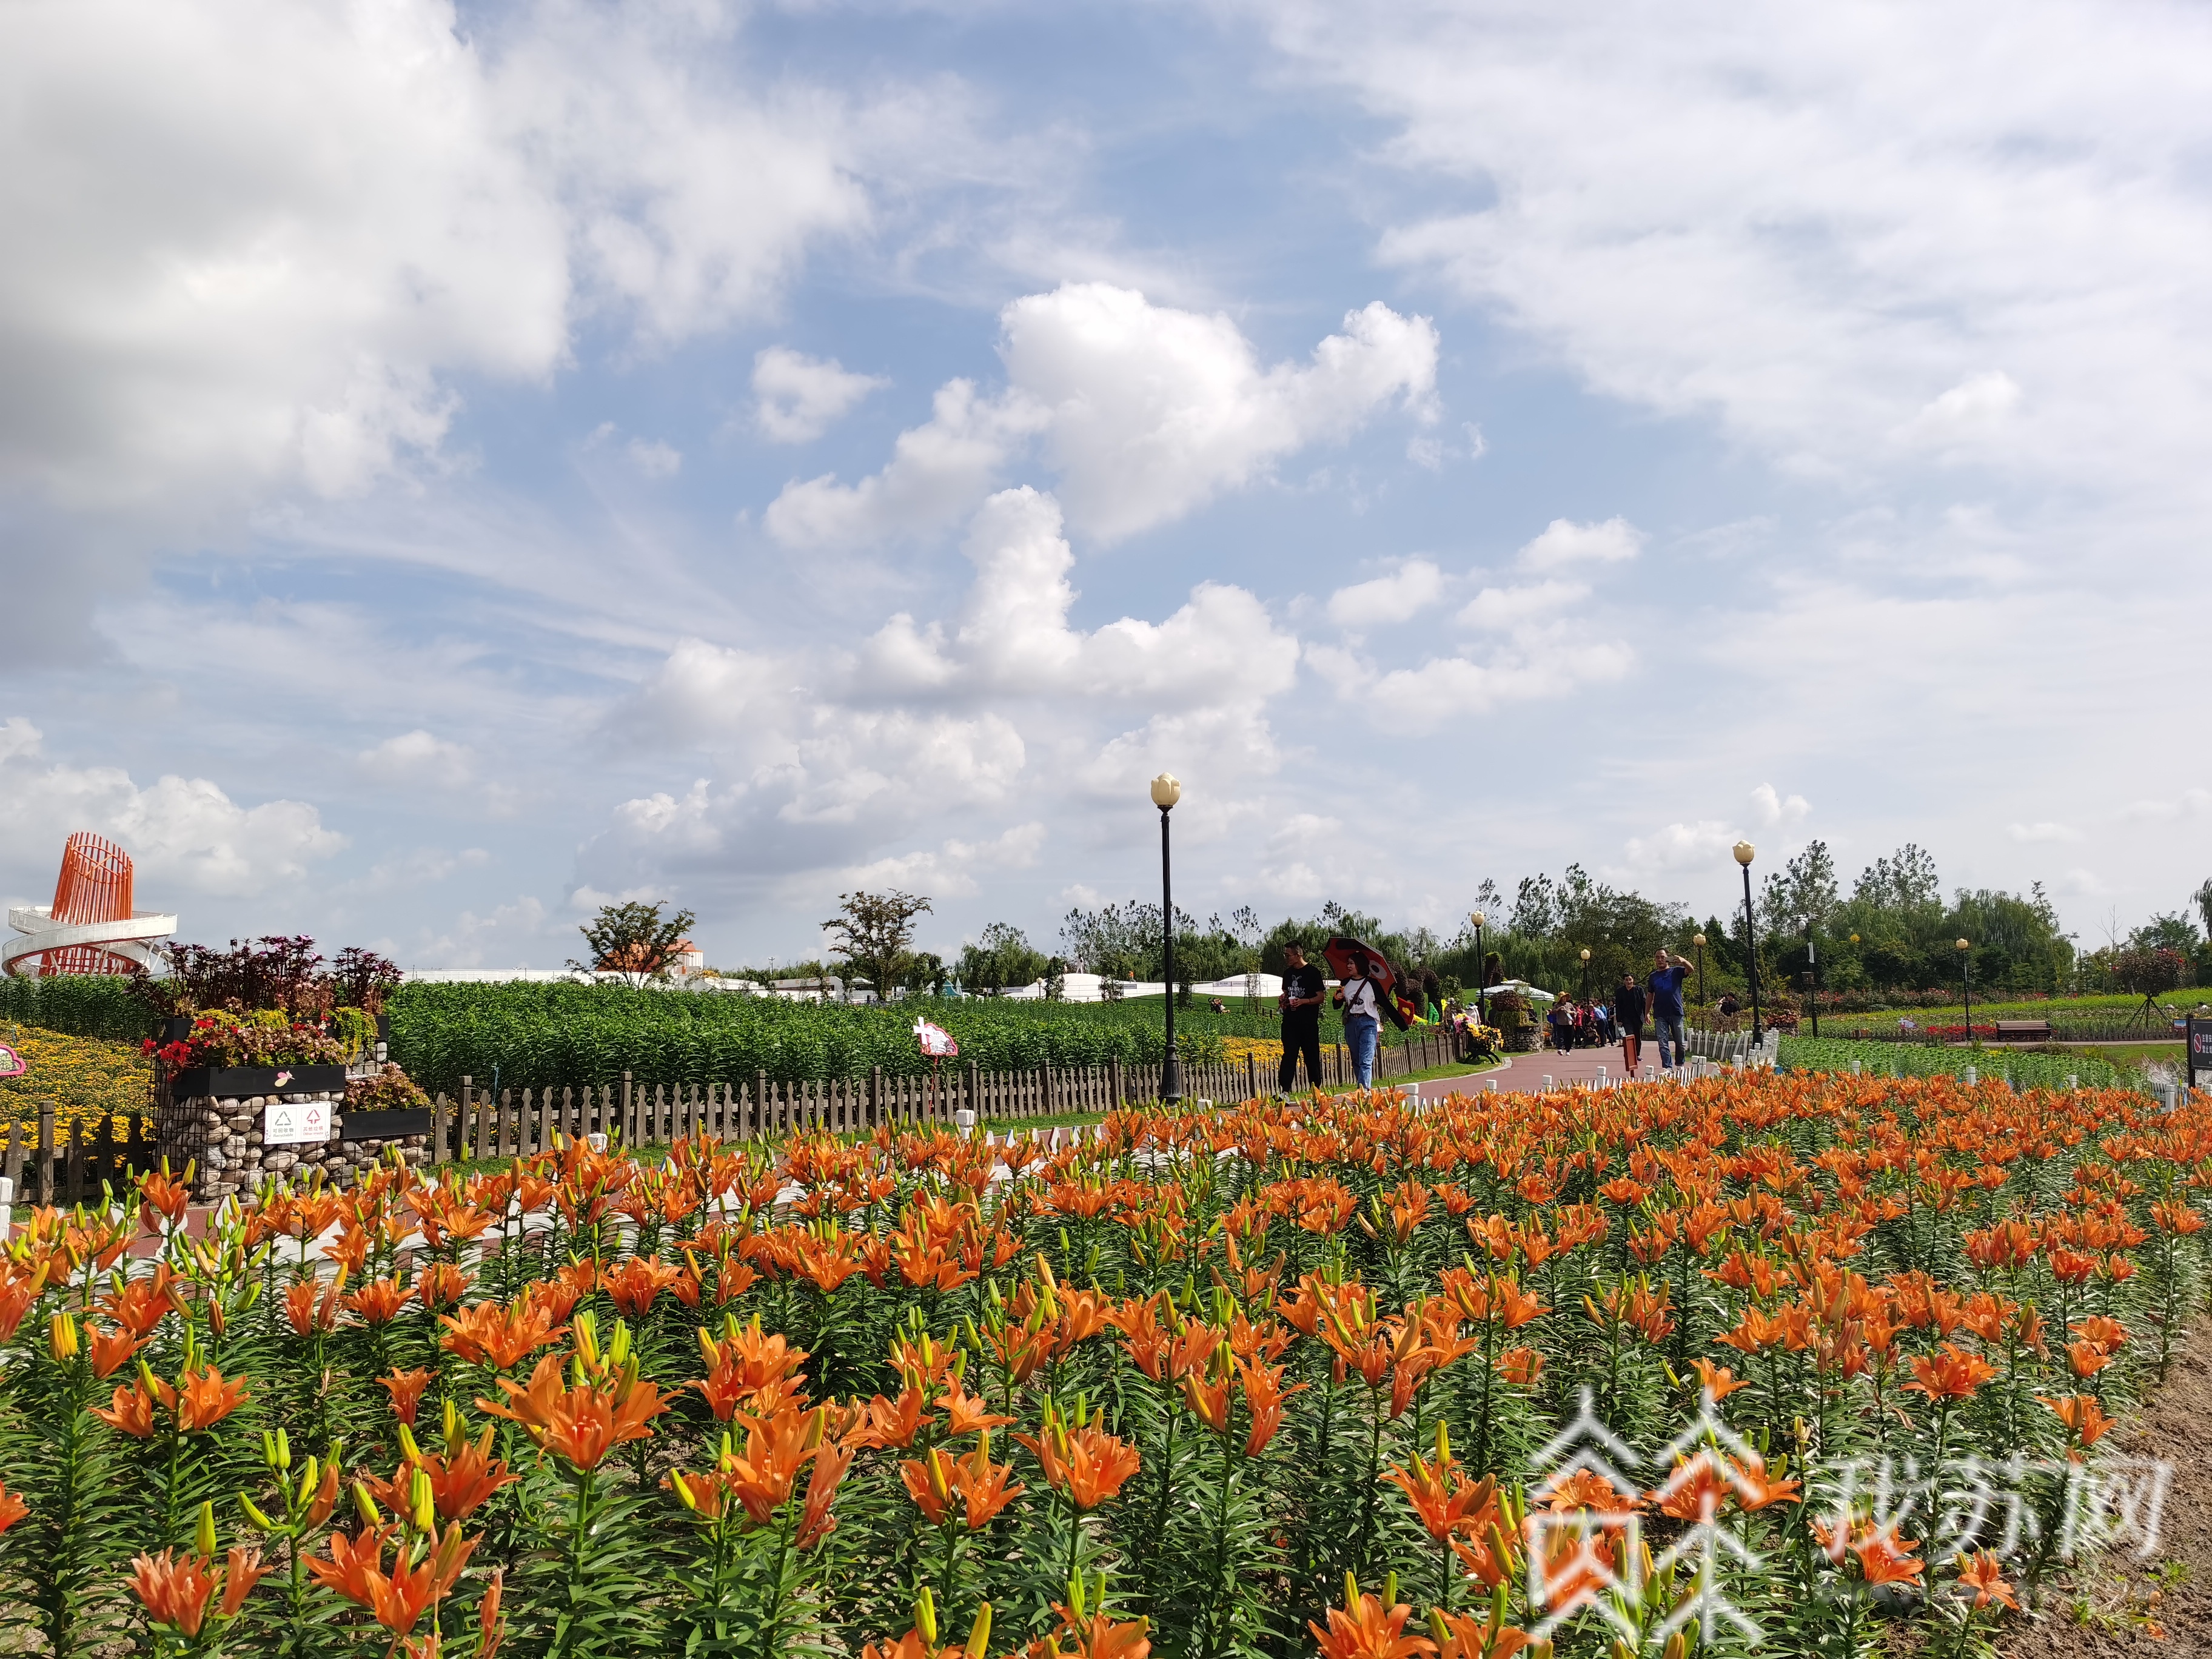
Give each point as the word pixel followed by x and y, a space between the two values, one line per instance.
pixel 1950 1373
pixel 1086 1464
pixel 1363 1629
pixel 499 1337
pixel 635 1284
pixel 111 1348
pixel 1982 1575
pixel 178 1594
pixel 378 1301
pixel 406 1389
pixel 583 1424
pixel 2084 1419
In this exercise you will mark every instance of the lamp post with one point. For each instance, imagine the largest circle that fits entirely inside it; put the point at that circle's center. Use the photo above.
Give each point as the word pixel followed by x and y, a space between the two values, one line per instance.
pixel 1482 969
pixel 1697 942
pixel 1586 974
pixel 1966 984
pixel 1744 855
pixel 1812 963
pixel 1166 792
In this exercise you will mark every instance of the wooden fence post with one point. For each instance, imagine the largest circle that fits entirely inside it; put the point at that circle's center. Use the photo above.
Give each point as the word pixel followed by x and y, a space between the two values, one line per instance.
pixel 1113 1080
pixel 461 1123
pixel 45 1169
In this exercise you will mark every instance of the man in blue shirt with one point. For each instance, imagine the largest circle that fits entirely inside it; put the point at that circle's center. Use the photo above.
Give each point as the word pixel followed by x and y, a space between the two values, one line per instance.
pixel 1667 1009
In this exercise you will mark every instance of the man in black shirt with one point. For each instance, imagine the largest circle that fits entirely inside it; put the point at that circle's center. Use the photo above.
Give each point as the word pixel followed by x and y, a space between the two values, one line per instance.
pixel 1628 1010
pixel 1303 990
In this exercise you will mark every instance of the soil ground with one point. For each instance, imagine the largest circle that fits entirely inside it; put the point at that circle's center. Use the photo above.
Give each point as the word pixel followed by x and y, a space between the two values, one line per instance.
pixel 2107 1605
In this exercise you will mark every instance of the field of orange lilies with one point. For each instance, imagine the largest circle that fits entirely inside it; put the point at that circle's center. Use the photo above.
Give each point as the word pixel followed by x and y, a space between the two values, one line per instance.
pixel 1763 1365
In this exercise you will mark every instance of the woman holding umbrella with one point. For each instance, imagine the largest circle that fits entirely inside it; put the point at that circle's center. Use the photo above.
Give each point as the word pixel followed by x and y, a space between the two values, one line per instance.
pixel 1364 996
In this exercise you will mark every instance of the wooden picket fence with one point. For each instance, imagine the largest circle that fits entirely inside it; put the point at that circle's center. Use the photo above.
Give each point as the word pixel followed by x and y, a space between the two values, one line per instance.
pixel 68 1164
pixel 519 1122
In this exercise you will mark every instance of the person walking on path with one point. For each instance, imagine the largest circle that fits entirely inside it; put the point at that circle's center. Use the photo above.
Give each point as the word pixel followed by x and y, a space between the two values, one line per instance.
pixel 1562 1018
pixel 1302 991
pixel 1666 984
pixel 1363 1024
pixel 1628 1010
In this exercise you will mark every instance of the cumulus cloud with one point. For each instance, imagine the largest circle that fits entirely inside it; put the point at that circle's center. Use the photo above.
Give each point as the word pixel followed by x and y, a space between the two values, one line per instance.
pixel 417 757
pixel 1770 807
pixel 1702 845
pixel 200 306
pixel 1500 608
pixel 951 871
pixel 1399 596
pixel 2043 832
pixel 181 833
pixel 797 399
pixel 1145 411
pixel 1563 544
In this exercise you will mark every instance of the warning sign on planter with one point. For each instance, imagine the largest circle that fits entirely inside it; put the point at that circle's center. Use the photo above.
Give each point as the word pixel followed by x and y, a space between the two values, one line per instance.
pixel 294 1122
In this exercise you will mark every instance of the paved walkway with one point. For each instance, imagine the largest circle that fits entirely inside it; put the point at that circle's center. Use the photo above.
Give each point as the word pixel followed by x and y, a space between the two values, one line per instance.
pixel 1529 1073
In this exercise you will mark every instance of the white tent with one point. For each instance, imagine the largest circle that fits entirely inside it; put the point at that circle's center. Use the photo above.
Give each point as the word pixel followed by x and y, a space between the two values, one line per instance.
pixel 1520 988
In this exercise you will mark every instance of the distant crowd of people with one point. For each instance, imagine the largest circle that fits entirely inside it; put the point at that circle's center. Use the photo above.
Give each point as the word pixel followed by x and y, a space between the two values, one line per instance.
pixel 1655 1001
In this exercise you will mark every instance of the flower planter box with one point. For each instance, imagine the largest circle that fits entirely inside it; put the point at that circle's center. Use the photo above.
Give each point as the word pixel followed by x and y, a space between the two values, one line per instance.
pixel 384 1125
pixel 233 1082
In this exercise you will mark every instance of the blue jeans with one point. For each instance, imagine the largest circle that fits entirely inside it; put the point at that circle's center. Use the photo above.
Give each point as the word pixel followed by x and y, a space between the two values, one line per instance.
pixel 1664 1024
pixel 1359 1036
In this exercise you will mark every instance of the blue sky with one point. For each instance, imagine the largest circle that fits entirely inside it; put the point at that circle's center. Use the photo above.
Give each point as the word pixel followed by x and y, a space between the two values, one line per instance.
pixel 456 467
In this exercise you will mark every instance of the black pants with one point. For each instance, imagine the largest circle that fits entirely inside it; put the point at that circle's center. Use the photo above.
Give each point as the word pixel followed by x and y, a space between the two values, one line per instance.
pixel 1301 1037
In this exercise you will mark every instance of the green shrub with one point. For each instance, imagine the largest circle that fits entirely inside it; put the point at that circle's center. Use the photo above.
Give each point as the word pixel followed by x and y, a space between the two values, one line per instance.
pixel 82 1004
pixel 550 1035
pixel 2024 1071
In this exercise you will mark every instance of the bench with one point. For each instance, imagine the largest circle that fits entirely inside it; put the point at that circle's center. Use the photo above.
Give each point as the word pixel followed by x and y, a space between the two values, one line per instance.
pixel 2023 1031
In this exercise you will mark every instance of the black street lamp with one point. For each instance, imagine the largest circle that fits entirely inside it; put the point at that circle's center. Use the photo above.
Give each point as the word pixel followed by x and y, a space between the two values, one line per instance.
pixel 1744 855
pixel 1585 974
pixel 1812 961
pixel 1966 984
pixel 1166 792
pixel 1697 942
pixel 1482 969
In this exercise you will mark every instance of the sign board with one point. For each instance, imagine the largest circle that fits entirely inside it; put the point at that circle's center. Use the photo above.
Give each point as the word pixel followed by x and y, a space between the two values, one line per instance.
pixel 295 1122
pixel 2200 1048
pixel 11 1063
pixel 936 1042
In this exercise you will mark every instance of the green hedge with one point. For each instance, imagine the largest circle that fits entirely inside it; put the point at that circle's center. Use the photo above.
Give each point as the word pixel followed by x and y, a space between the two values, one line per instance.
pixel 2025 1071
pixel 80 1005
pixel 542 1035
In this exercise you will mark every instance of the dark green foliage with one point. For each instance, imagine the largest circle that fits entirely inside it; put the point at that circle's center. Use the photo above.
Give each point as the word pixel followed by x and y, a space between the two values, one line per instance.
pixel 80 1005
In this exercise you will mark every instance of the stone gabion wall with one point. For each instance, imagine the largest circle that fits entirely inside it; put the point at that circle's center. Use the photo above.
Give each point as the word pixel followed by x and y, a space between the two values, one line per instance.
pixel 221 1137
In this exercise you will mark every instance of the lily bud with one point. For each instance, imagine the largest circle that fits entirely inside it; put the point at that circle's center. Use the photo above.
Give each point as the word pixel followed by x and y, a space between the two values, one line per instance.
pixel 585 1329
pixel 683 1494
pixel 425 1503
pixel 1351 1591
pixel 1439 1631
pixel 619 1350
pixel 1075 1597
pixel 254 1517
pixel 365 1506
pixel 1390 1588
pixel 414 1453
pixel 979 1639
pixel 452 1425
pixel 925 1618
pixel 203 1534
pixel 62 1338
pixel 283 1450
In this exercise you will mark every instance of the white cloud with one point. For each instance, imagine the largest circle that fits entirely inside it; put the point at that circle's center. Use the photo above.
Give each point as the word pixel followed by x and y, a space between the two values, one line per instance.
pixel 1012 637
pixel 1702 845
pixel 798 398
pixel 1975 411
pixel 1814 229
pixel 2043 832
pixel 1498 608
pixel 1769 807
pixel 252 244
pixel 180 832
pixel 1145 412
pixel 420 758
pixel 521 933
pixel 655 458
pixel 2189 804
pixel 951 871
pixel 1565 544
pixel 1399 596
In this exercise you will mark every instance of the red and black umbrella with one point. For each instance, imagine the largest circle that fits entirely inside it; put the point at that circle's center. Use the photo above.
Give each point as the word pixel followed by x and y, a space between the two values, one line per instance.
pixel 1349 959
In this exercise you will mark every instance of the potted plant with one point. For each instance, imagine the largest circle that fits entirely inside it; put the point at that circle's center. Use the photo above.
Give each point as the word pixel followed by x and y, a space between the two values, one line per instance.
pixel 1509 1009
pixel 385 1107
pixel 231 1054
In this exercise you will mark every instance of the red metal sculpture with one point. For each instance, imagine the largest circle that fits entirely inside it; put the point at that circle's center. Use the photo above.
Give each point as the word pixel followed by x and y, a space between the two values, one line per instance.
pixel 90 927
